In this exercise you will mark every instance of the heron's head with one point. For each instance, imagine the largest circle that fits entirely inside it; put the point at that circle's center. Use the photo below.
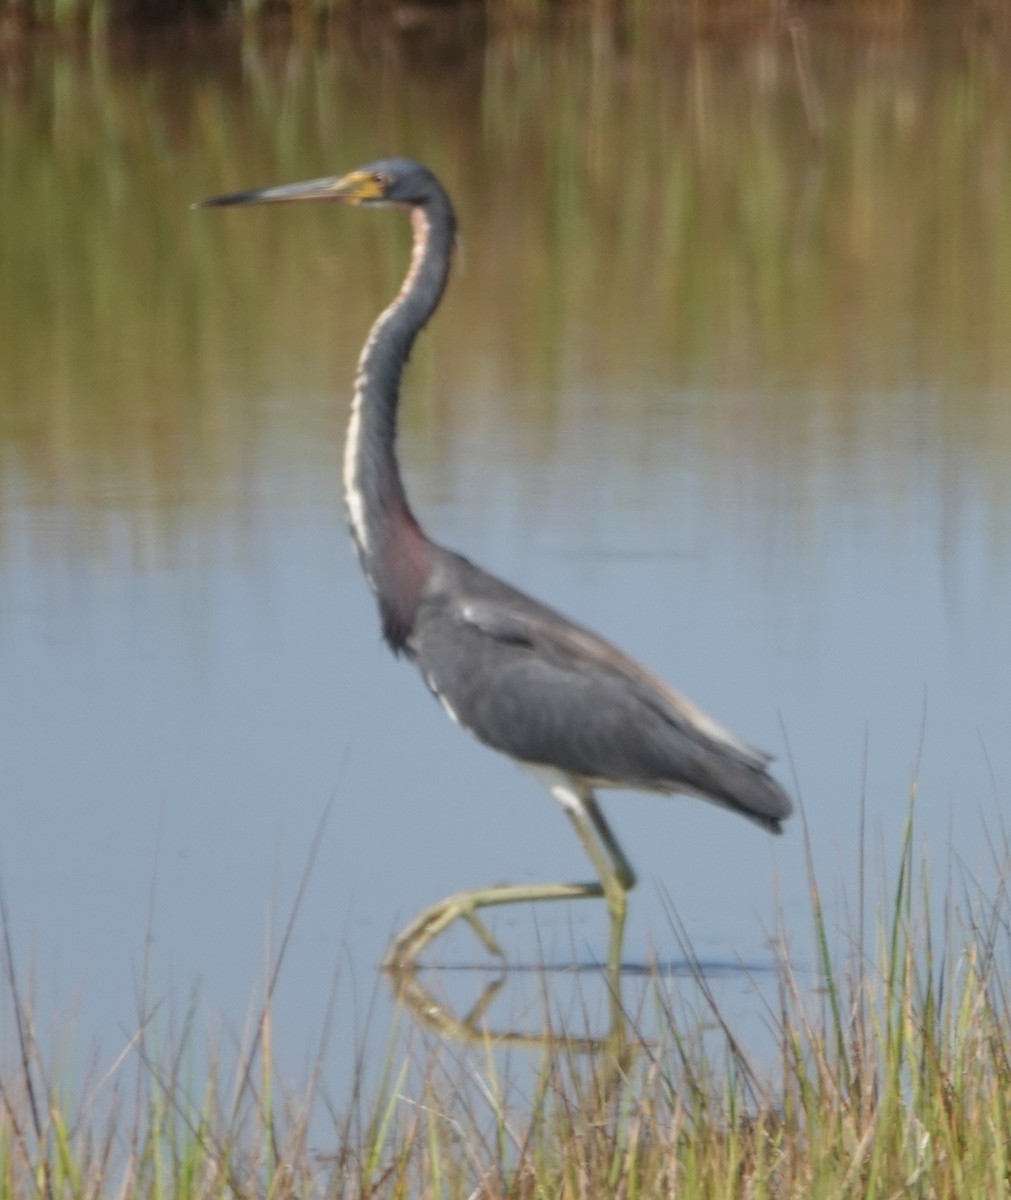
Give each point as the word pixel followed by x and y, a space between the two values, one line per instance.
pixel 394 181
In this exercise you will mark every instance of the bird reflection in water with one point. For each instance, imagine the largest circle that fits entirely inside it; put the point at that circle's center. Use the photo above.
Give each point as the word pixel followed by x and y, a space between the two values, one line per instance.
pixel 612 1049
pixel 519 676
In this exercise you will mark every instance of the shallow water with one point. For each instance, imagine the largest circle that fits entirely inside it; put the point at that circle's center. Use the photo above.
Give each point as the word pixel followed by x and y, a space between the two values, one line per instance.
pixel 725 374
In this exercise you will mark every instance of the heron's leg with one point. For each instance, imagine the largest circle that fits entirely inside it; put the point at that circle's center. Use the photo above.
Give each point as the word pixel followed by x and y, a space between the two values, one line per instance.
pixel 430 922
pixel 612 867
pixel 616 876
pixel 623 871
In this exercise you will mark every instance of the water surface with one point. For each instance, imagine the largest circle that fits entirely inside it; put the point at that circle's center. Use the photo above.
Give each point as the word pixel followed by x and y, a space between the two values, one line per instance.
pixel 724 374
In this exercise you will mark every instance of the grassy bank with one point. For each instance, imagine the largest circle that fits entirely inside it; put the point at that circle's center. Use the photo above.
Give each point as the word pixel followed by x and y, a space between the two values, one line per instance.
pixel 892 1077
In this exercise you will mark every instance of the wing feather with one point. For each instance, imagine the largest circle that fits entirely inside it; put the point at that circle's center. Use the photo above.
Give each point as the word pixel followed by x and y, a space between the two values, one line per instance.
pixel 532 684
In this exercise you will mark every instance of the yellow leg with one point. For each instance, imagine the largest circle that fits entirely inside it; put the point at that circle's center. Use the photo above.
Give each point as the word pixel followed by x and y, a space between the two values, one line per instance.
pixel 615 872
pixel 430 922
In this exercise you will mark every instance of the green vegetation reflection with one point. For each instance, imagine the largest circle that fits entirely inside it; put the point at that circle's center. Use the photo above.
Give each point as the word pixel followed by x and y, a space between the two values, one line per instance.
pixel 641 225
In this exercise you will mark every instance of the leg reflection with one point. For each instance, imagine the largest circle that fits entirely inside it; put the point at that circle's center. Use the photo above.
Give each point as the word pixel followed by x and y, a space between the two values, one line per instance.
pixel 411 991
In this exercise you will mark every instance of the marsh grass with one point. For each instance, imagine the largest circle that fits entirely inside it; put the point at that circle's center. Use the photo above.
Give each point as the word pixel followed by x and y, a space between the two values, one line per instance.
pixel 891 1077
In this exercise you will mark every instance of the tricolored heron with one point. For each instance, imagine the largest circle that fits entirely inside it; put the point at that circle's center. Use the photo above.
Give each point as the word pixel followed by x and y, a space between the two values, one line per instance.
pixel 519 676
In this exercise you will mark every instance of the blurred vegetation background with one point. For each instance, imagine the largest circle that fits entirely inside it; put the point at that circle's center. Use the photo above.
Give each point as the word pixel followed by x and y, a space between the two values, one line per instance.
pixel 19 15
pixel 822 220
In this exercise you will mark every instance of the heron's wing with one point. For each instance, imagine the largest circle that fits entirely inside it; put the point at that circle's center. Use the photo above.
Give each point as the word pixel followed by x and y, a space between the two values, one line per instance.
pixel 530 683
pixel 572 647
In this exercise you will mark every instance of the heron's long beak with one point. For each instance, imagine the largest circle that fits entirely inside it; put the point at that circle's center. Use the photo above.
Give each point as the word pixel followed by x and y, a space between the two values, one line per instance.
pixel 349 189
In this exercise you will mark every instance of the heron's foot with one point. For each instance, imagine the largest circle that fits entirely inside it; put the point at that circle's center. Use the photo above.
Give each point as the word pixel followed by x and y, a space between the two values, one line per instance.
pixel 483 932
pixel 430 922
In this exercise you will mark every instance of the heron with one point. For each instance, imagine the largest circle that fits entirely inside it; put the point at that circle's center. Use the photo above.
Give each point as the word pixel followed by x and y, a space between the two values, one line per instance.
pixel 516 674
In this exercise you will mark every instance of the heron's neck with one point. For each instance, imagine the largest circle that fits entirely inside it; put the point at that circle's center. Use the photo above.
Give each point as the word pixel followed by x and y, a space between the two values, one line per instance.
pixel 394 552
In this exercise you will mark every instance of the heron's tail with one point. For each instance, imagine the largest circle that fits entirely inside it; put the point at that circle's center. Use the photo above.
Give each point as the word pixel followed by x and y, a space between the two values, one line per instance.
pixel 748 789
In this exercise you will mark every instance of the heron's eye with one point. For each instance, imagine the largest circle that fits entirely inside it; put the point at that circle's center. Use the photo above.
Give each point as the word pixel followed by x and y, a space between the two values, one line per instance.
pixel 381 179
